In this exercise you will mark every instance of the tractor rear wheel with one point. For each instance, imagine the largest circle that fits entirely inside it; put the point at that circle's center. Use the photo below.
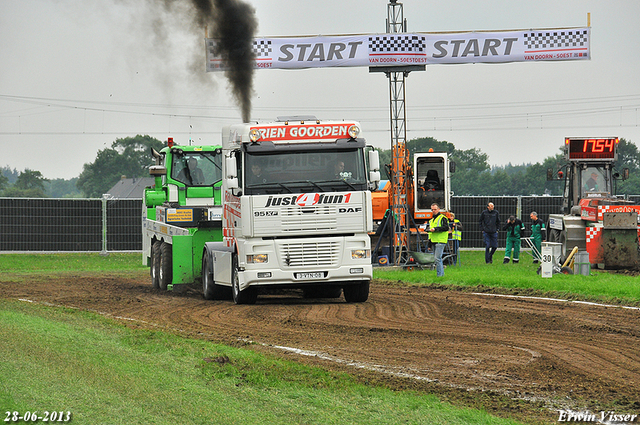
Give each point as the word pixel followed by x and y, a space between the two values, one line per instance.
pixel 166 266
pixel 155 264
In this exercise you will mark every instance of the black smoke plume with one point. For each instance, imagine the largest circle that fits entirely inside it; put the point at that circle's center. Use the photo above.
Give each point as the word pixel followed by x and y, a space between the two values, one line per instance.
pixel 233 24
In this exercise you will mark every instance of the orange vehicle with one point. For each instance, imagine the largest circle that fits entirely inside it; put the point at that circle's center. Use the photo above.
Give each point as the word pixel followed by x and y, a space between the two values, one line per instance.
pixel 425 180
pixel 429 182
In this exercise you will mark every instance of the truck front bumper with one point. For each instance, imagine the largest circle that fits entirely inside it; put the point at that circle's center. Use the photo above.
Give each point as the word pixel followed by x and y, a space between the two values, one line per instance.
pixel 342 275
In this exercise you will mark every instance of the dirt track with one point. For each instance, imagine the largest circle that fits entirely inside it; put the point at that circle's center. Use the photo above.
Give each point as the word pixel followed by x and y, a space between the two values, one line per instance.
pixel 522 358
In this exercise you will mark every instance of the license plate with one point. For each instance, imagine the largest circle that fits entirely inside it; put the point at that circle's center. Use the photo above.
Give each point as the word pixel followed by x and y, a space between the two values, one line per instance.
pixel 313 275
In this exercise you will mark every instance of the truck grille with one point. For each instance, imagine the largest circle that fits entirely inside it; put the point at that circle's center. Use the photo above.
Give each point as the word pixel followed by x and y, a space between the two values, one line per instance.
pixel 320 217
pixel 302 254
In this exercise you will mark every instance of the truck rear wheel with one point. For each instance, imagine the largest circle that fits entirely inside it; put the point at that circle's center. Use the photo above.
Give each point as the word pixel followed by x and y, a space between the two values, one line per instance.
pixel 246 296
pixel 210 290
pixel 357 293
pixel 155 264
pixel 166 267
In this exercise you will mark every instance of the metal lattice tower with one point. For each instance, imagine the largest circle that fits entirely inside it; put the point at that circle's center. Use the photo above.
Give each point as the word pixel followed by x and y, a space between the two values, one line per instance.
pixel 400 162
pixel 400 165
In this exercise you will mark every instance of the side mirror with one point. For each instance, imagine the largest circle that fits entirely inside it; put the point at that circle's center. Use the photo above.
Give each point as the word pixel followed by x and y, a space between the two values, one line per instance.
pixel 231 172
pixel 374 161
pixel 452 167
pixel 374 177
pixel 232 183
pixel 231 167
pixel 374 167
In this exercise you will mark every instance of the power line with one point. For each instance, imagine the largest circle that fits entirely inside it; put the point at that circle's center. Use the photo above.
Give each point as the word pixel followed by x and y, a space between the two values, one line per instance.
pixel 487 119
pixel 76 104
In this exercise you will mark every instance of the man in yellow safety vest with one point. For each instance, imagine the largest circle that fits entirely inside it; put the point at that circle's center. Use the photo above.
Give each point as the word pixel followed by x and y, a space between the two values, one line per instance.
pixel 438 235
pixel 456 236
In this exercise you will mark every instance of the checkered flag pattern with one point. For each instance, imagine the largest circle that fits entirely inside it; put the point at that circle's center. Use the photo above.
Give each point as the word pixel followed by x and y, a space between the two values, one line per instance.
pixel 614 208
pixel 397 44
pixel 555 40
pixel 592 232
pixel 262 48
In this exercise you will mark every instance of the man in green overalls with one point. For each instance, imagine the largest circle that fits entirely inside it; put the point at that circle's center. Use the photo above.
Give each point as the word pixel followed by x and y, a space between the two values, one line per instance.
pixel 538 235
pixel 514 228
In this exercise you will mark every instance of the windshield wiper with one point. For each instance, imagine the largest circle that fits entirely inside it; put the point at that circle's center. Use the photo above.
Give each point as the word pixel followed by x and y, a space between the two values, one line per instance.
pixel 337 182
pixel 314 184
pixel 268 185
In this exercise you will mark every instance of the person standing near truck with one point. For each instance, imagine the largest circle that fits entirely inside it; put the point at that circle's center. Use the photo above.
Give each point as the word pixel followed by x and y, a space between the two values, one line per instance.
pixel 538 235
pixel 456 236
pixel 439 236
pixel 514 228
pixel 490 224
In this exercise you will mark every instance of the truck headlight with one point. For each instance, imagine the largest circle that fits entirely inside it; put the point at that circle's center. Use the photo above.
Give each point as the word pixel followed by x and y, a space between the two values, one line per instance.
pixel 358 254
pixel 258 258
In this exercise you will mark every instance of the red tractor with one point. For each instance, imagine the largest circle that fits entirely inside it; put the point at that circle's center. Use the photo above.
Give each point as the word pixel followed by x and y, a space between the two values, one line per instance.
pixel 593 218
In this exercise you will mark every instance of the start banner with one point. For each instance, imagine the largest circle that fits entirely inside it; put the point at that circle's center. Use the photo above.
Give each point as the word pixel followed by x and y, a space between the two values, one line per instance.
pixel 384 50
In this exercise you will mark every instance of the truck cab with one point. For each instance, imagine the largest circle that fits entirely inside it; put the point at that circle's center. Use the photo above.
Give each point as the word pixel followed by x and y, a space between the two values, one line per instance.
pixel 431 183
pixel 297 210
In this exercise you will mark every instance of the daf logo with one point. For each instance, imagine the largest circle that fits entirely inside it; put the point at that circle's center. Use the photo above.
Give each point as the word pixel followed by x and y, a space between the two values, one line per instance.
pixel 350 210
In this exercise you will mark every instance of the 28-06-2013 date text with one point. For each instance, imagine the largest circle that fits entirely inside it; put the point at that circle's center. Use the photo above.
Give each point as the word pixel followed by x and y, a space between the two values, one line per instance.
pixel 46 416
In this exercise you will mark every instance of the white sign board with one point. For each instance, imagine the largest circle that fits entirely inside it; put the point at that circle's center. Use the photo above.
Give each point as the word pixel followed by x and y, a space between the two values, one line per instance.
pixel 547 261
pixel 377 50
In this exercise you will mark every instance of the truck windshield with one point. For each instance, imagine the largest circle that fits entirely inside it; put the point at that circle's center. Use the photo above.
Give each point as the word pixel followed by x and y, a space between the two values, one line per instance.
pixel 295 172
pixel 197 168
pixel 430 182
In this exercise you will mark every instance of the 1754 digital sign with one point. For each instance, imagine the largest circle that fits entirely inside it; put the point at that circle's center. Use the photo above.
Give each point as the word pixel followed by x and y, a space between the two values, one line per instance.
pixel 595 149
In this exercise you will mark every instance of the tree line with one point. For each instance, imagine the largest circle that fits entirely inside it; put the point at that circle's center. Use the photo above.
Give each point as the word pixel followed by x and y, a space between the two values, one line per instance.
pixel 474 176
pixel 130 157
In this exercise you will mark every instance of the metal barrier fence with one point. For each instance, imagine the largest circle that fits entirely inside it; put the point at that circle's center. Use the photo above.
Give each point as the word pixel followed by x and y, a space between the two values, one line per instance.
pixel 102 225
pixel 99 225
pixel 468 209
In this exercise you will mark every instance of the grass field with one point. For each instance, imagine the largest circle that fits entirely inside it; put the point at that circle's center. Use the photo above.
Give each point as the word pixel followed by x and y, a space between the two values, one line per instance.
pixel 61 360
pixel 57 359
pixel 75 262
pixel 474 274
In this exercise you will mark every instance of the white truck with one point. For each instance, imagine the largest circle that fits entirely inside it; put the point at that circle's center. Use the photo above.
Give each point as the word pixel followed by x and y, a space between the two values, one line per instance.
pixel 296 212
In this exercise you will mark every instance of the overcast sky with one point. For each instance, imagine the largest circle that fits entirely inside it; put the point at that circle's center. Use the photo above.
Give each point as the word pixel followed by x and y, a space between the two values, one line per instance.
pixel 77 74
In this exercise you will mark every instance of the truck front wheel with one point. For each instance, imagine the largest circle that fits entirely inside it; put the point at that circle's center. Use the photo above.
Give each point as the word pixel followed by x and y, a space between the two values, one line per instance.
pixel 166 267
pixel 246 296
pixel 210 290
pixel 356 293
